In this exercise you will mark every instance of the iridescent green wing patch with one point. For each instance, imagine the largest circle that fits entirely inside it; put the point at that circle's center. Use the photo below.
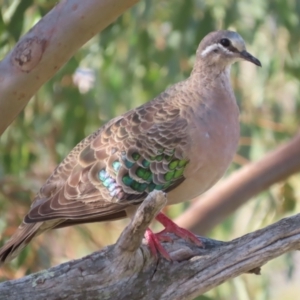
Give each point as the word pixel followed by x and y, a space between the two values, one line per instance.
pixel 140 175
pixel 144 177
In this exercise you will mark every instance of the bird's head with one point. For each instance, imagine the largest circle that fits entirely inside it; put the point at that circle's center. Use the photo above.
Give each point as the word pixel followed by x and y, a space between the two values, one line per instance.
pixel 222 48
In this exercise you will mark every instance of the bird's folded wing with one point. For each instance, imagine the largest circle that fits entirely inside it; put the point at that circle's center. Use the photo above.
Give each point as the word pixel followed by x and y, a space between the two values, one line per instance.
pixel 117 166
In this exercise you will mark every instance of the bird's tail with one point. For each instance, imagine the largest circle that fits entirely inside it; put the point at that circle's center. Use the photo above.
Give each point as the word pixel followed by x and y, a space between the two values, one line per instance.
pixel 24 234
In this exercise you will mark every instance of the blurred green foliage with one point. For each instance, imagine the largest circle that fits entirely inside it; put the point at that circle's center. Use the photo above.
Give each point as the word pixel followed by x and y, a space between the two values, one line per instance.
pixel 147 49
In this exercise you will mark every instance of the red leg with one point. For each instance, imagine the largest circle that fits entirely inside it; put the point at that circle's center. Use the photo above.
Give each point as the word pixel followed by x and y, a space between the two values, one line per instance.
pixel 171 227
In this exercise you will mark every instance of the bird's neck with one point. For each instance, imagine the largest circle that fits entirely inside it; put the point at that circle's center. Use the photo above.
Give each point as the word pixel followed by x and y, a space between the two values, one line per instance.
pixel 213 84
pixel 210 69
pixel 210 76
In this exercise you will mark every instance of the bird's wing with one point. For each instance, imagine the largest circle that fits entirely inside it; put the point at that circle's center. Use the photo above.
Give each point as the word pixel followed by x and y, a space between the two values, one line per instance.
pixel 117 166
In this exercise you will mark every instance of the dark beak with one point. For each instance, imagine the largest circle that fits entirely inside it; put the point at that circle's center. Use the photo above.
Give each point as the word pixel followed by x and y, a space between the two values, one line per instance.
pixel 247 56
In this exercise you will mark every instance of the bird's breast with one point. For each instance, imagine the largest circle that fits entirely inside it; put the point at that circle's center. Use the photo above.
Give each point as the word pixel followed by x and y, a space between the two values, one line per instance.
pixel 213 137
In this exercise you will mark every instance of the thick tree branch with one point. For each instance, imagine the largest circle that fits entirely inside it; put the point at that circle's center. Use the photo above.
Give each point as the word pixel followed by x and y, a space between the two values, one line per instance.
pixel 222 200
pixel 48 46
pixel 126 270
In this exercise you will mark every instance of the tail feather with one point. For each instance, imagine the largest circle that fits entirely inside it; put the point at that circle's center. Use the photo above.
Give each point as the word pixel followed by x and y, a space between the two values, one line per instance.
pixel 24 234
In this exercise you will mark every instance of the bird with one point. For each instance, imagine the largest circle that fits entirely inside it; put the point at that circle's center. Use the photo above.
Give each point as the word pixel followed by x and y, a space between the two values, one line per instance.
pixel 181 143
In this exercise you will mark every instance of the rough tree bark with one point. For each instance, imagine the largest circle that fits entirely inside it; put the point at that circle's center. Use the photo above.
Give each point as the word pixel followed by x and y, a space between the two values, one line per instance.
pixel 126 270
pixel 48 46
pixel 225 198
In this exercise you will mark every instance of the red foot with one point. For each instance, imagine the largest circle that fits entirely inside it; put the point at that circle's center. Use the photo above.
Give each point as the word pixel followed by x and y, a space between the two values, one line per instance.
pixel 171 227
pixel 155 239
pixel 155 245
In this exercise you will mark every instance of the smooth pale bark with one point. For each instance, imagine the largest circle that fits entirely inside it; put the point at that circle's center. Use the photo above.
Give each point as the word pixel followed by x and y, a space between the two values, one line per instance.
pixel 48 46
pixel 224 199
pixel 126 270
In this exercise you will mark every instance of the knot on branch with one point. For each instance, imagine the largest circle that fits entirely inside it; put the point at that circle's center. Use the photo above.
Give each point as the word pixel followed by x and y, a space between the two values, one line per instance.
pixel 28 52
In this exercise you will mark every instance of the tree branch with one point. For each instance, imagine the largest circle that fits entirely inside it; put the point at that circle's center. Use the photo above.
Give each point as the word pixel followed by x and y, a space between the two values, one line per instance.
pixel 126 270
pixel 48 46
pixel 222 200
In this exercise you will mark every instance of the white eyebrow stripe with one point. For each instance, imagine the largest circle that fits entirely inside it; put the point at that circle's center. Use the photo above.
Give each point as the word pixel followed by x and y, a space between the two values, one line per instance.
pixel 213 47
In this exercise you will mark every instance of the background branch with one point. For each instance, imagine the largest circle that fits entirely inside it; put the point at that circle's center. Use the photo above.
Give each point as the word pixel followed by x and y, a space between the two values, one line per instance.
pixel 48 46
pixel 221 201
pixel 127 270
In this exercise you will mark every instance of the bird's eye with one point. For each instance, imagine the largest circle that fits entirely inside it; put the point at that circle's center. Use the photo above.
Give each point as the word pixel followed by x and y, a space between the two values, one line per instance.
pixel 225 42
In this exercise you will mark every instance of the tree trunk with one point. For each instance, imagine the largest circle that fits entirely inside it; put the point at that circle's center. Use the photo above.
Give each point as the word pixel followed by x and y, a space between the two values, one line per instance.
pixel 127 270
